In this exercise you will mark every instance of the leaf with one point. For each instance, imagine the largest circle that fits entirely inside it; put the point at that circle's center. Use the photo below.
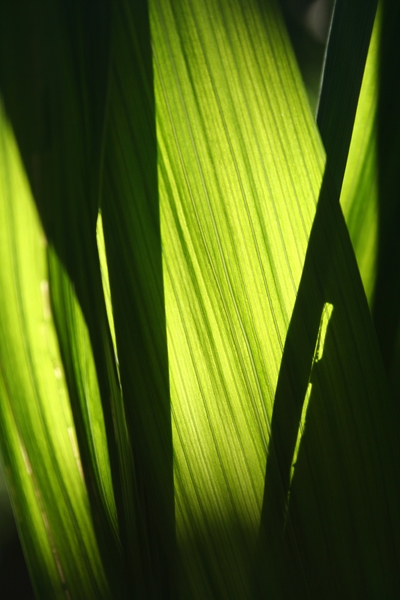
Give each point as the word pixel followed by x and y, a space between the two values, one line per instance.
pixel 343 71
pixel 38 443
pixel 368 197
pixel 131 223
pixel 385 311
pixel 359 197
pixel 61 149
pixel 233 241
pixel 347 457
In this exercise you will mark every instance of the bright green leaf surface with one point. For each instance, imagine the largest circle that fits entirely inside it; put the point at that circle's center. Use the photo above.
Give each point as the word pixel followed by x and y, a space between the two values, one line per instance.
pixel 359 196
pixel 38 441
pixel 63 160
pixel 236 204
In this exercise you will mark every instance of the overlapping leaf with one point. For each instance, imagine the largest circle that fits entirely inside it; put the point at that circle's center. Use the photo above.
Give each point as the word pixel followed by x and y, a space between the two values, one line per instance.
pixel 38 442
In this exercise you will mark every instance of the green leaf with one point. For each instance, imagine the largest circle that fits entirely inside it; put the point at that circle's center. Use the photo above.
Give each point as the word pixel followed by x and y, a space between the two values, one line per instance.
pixel 347 456
pixel 236 205
pixel 345 58
pixel 359 196
pixel 38 442
pixel 386 312
pixel 61 149
pixel 369 195
pixel 131 223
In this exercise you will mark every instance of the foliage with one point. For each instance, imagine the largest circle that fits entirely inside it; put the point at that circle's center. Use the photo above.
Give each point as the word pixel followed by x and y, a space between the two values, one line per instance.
pixel 193 400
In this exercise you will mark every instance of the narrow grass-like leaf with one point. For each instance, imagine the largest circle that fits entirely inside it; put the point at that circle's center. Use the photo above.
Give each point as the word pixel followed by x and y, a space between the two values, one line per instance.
pixel 131 223
pixel 386 308
pixel 347 458
pixel 359 196
pixel 38 444
pixel 369 195
pixel 58 113
pixel 345 58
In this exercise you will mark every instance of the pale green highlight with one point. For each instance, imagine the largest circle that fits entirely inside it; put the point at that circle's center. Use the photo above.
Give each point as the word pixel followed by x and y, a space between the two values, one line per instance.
pixel 51 504
pixel 318 353
pixel 101 247
pixel 359 196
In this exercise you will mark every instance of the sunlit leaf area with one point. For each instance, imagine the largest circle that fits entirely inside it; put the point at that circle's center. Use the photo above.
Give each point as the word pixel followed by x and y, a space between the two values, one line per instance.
pixel 200 299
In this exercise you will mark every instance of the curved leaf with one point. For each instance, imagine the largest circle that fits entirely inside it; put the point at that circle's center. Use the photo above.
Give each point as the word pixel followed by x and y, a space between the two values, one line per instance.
pixel 38 443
